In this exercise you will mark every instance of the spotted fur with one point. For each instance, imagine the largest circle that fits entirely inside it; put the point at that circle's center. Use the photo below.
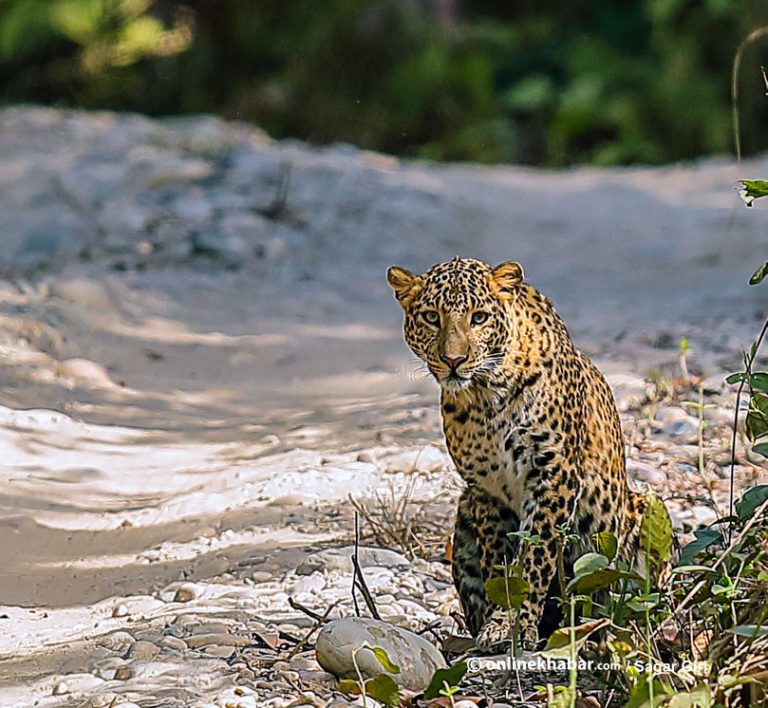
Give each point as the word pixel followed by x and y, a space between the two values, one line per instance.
pixel 531 426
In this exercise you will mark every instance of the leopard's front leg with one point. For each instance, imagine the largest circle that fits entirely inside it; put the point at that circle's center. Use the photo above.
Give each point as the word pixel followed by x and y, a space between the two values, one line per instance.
pixel 549 505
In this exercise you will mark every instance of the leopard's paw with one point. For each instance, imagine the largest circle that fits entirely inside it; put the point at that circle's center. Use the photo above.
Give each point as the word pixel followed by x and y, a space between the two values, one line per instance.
pixel 495 636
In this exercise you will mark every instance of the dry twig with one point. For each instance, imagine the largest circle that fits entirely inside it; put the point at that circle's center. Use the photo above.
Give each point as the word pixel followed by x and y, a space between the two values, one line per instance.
pixel 358 579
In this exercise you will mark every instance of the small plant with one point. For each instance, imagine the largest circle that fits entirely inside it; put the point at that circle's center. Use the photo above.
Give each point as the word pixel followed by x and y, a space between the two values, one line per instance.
pixel 382 688
pixel 685 350
pixel 509 590
pixel 445 682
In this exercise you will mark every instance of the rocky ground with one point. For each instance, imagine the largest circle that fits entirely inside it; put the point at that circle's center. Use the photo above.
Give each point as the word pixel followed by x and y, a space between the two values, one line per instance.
pixel 203 378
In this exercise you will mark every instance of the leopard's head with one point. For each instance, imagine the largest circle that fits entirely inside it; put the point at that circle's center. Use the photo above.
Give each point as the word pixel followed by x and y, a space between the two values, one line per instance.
pixel 457 317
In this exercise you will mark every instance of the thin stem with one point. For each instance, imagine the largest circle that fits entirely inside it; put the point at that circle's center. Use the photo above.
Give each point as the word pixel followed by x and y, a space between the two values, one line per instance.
pixel 360 677
pixel 648 613
pixel 748 361
pixel 573 671
pixel 751 37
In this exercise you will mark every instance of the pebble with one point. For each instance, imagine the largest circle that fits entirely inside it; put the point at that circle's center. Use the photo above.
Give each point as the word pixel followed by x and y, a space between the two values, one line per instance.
pixel 713 384
pixel 118 642
pixel 60 689
pixel 630 392
pixel 84 291
pixel 676 422
pixel 120 610
pixel 104 700
pixel 185 593
pixel 645 472
pixel 718 416
pixel 174 643
pixel 217 650
pixel 425 459
pixel 308 585
pixel 143 651
pixel 85 372
pixel 340 559
pixel 230 640
pixel 123 673
pixel 704 515
pixel 106 668
pixel 324 678
pixel 417 658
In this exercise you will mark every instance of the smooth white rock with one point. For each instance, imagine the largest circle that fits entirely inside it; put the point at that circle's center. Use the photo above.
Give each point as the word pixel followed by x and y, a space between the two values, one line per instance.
pixel 417 658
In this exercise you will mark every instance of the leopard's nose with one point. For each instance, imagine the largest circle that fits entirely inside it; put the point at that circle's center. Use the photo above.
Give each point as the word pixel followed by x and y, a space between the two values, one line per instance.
pixel 454 361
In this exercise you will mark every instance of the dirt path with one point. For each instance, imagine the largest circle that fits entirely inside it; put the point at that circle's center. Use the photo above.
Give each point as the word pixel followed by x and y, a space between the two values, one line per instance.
pixel 197 375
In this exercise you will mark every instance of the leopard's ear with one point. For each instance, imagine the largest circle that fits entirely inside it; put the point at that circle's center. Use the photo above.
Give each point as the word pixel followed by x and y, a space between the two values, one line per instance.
pixel 506 277
pixel 405 284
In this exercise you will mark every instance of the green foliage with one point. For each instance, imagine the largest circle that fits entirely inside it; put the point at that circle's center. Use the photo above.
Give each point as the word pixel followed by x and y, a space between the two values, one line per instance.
pixel 723 598
pixel 753 189
pixel 383 687
pixel 648 694
pixel 759 274
pixel 507 591
pixel 445 678
pixel 750 500
pixel 551 84
pixel 560 641
pixel 704 539
pixel 607 544
pixel 656 532
pixel 383 658
pixel 698 697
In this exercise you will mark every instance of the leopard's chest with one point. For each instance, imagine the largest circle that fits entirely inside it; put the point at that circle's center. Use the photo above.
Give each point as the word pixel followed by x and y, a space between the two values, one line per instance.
pixel 493 450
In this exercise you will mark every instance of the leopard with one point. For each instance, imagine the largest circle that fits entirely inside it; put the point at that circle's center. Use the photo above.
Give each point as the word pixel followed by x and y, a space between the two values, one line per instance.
pixel 533 430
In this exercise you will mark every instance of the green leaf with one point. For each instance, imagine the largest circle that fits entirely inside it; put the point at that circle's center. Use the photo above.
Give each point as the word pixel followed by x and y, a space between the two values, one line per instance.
pixel 530 93
pixel 656 531
pixel 698 697
pixel 78 20
pixel 589 563
pixel 693 569
pixel 753 189
pixel 643 603
pixel 599 580
pixel 759 275
pixel 641 697
pixel 564 698
pixel 384 689
pixel 383 658
pixel 350 687
pixel 750 500
pixel 761 449
pixel 561 638
pixel 451 676
pixel 759 380
pixel 751 631
pixel 607 543
pixel 508 592
pixel 704 539
pixel 757 416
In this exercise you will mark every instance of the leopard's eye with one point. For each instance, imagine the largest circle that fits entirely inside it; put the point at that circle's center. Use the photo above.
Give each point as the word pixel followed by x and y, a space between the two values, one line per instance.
pixel 479 317
pixel 431 317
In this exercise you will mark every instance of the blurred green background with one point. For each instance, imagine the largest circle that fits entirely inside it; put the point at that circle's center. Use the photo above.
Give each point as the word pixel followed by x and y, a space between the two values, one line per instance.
pixel 533 81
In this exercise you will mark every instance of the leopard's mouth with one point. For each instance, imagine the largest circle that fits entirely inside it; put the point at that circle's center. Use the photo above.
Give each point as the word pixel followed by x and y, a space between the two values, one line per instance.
pixel 455 381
